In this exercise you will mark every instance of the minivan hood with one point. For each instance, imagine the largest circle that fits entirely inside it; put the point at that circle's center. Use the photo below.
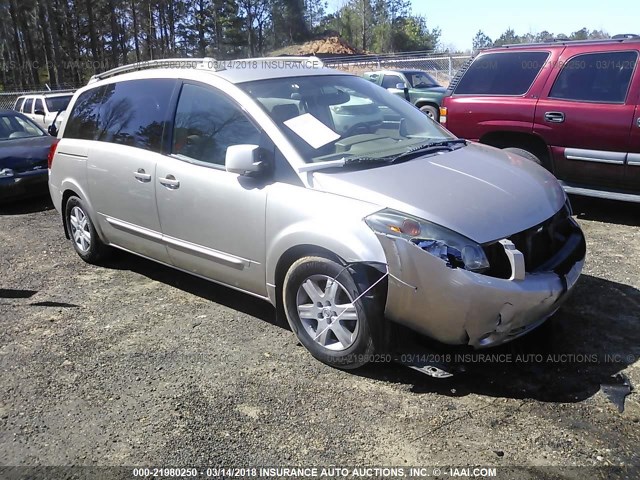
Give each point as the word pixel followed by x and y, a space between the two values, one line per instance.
pixel 481 192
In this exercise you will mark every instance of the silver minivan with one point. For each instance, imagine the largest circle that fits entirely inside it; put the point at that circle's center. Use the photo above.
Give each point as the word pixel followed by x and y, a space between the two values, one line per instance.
pixel 237 173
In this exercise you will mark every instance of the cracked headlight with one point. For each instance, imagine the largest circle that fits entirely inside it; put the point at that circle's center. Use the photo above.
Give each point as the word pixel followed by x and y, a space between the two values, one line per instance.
pixel 457 250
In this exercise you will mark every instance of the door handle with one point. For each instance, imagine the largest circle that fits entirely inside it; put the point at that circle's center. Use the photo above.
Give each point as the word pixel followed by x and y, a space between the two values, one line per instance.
pixel 554 117
pixel 170 182
pixel 638 122
pixel 141 176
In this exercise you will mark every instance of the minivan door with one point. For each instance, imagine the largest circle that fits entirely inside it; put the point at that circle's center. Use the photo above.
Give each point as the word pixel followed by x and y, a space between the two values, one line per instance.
pixel 121 167
pixel 584 115
pixel 213 221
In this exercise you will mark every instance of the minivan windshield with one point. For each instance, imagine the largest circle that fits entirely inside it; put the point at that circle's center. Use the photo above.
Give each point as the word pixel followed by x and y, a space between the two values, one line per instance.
pixel 332 117
pixel 56 104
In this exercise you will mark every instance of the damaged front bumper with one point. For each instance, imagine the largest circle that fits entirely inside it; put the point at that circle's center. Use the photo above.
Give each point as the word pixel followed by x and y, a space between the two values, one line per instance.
pixel 456 306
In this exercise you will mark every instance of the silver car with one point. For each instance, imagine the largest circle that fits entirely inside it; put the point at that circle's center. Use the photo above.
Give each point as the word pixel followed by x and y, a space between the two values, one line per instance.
pixel 240 176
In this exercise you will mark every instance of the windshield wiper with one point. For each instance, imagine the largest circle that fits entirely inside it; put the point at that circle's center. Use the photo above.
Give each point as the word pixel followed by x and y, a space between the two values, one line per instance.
pixel 344 161
pixel 426 148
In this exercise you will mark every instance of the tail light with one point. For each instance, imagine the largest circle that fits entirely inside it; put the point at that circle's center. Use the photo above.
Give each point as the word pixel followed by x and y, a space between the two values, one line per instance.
pixel 443 115
pixel 52 152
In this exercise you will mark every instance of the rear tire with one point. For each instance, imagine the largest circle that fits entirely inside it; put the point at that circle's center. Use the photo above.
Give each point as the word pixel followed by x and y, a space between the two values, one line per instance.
pixel 524 153
pixel 430 112
pixel 318 296
pixel 86 241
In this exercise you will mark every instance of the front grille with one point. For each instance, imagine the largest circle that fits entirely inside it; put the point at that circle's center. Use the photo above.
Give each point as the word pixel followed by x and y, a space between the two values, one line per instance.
pixel 554 245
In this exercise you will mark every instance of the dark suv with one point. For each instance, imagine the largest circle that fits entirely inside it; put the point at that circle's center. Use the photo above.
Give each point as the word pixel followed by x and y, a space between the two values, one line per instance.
pixel 570 105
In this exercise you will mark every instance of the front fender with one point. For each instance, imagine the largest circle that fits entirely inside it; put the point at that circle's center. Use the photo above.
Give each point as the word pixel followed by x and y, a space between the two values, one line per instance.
pixel 305 217
pixel 423 99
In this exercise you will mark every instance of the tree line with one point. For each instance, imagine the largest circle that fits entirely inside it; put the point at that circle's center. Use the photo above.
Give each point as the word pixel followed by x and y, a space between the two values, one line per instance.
pixel 482 40
pixel 62 42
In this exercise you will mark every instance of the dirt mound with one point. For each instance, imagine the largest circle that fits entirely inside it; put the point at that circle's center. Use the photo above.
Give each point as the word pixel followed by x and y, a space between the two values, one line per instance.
pixel 329 43
pixel 333 44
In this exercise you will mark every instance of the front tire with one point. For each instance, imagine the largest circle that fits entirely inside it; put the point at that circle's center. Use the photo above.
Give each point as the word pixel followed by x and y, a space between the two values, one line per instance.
pixel 430 112
pixel 86 241
pixel 524 153
pixel 319 304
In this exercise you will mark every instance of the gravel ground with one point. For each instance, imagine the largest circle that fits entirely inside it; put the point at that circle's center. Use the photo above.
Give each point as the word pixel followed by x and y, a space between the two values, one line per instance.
pixel 136 364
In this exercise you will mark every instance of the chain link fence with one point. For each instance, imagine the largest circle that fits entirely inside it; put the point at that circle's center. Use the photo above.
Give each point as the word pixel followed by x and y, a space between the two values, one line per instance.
pixel 8 99
pixel 442 68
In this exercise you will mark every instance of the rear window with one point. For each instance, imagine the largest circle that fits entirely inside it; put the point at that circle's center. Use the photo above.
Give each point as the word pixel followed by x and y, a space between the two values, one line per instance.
pixel 132 113
pixel 19 103
pixel 83 120
pixel 510 73
pixel 57 104
pixel 16 126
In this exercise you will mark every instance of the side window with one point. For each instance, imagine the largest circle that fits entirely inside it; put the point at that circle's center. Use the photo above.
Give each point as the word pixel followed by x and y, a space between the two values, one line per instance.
pixel 596 77
pixel 28 103
pixel 38 105
pixel 206 123
pixel 135 112
pixel 83 119
pixel 19 103
pixel 390 81
pixel 509 73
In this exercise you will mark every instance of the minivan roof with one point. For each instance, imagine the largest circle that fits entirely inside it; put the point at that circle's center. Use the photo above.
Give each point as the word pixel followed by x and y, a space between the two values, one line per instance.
pixel 234 71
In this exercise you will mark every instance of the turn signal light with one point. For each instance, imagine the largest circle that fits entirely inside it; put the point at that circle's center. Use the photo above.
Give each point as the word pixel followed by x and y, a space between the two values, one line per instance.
pixel 443 115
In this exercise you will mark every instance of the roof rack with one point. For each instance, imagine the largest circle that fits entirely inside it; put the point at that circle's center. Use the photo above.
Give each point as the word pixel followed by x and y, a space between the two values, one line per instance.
pixel 160 63
pixel 206 63
pixel 627 37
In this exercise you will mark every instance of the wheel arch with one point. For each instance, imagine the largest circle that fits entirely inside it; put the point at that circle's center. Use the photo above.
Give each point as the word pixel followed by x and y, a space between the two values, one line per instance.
pixel 366 271
pixel 70 189
pixel 527 141
pixel 423 102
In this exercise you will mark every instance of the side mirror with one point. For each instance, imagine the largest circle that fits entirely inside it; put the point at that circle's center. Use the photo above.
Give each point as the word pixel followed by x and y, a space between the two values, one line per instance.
pixel 243 159
pixel 405 88
pixel 53 131
pixel 39 112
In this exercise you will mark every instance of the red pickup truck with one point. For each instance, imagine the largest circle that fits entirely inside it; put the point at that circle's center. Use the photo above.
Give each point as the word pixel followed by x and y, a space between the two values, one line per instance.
pixel 570 105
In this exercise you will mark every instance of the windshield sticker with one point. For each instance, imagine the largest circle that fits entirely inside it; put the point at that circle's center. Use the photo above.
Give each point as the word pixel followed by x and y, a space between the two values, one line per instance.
pixel 312 130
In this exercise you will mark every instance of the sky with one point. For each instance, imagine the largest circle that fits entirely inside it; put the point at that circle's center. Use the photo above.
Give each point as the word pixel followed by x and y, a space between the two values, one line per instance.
pixel 460 20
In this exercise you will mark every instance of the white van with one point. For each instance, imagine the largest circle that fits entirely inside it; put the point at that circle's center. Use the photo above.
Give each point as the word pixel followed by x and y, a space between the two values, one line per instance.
pixel 43 108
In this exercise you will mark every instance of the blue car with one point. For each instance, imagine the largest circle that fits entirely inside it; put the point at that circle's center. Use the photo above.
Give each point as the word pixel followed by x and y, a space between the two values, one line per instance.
pixel 24 148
